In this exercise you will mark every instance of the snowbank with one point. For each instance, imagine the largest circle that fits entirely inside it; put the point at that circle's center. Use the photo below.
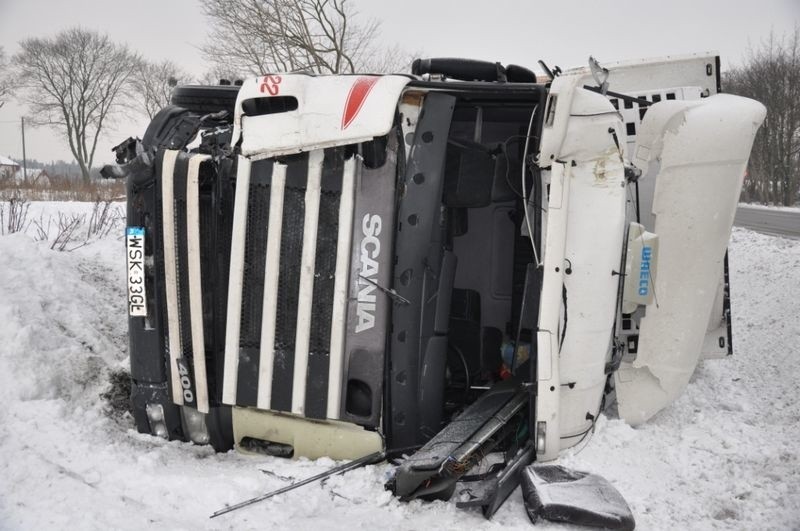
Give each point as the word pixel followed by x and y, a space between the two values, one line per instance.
pixel 725 455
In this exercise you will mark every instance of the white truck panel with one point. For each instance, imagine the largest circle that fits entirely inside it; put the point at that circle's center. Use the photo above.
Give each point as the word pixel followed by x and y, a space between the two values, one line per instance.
pixel 703 147
pixel 331 111
pixel 585 229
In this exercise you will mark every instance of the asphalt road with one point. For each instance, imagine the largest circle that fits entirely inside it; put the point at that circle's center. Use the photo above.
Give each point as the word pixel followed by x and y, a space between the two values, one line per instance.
pixel 769 221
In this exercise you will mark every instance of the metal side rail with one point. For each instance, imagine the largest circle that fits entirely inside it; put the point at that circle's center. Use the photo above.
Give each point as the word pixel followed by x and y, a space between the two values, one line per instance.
pixel 433 471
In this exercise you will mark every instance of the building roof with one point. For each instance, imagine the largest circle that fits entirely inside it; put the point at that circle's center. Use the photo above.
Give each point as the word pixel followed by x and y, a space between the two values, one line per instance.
pixel 32 173
pixel 7 162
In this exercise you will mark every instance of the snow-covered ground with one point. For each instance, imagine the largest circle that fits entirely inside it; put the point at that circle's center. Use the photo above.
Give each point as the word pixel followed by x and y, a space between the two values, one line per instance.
pixel 724 456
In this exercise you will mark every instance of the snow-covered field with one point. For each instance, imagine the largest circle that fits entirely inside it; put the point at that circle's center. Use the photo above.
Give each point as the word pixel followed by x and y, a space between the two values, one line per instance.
pixel 724 456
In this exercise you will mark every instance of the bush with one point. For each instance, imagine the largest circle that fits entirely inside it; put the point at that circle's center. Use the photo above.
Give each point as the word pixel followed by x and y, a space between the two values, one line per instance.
pixel 13 213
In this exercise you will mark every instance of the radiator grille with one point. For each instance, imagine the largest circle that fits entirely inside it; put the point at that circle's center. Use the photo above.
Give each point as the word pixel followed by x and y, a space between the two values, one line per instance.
pixel 259 269
pixel 288 291
pixel 181 222
pixel 255 259
pixel 286 262
pixel 181 259
pixel 322 310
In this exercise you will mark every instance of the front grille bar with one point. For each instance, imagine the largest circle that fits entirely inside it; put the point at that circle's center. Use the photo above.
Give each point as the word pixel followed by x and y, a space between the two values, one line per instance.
pixel 271 277
pixel 339 324
pixel 171 271
pixel 195 280
pixel 235 280
pixel 305 297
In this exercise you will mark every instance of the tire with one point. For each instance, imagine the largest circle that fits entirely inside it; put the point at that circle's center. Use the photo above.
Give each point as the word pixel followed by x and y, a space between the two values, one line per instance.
pixel 206 99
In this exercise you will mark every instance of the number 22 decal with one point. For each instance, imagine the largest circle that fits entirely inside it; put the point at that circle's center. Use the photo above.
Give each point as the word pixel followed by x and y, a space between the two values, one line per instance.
pixel 270 85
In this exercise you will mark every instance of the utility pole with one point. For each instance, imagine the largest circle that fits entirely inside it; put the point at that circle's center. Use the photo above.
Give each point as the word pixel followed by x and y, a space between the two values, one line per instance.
pixel 24 158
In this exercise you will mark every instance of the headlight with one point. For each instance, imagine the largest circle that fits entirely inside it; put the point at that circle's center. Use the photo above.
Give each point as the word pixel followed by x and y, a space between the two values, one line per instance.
pixel 195 424
pixel 161 431
pixel 155 414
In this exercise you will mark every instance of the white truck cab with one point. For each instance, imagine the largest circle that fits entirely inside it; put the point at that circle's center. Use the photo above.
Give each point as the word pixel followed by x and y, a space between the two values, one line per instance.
pixel 438 265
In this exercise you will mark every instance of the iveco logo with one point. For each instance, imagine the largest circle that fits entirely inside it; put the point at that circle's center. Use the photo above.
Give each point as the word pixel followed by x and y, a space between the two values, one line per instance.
pixel 370 249
pixel 644 271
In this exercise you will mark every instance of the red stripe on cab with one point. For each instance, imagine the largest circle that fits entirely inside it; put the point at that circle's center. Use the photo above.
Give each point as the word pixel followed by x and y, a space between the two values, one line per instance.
pixel 356 98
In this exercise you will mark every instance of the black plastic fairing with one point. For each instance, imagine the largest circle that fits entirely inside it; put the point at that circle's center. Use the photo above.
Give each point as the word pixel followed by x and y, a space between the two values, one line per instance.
pixel 370 309
pixel 147 335
pixel 144 332
pixel 418 257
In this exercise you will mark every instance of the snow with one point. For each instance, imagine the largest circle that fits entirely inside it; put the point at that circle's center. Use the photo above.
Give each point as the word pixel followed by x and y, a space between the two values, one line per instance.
pixel 723 456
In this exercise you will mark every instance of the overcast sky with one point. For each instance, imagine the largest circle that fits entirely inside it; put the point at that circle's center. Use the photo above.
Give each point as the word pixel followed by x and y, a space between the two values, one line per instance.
pixel 563 32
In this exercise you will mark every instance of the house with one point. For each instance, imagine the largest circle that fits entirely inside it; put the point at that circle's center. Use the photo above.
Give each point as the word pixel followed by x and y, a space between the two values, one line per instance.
pixel 33 177
pixel 8 168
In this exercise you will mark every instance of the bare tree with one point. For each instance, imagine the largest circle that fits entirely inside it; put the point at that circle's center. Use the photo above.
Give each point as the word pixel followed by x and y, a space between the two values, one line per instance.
pixel 771 75
pixel 5 79
pixel 73 82
pixel 318 36
pixel 152 84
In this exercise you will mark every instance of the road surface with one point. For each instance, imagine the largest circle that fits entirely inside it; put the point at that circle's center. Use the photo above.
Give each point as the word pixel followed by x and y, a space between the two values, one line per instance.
pixel 769 220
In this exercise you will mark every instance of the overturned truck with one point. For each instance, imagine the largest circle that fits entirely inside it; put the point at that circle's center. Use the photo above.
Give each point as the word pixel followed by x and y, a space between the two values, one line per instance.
pixel 463 261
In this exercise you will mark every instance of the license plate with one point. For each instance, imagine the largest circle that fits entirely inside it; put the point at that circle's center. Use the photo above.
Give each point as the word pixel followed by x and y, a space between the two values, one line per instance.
pixel 137 299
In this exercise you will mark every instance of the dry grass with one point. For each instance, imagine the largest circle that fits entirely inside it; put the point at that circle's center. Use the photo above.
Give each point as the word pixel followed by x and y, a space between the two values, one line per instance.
pixel 67 232
pixel 60 189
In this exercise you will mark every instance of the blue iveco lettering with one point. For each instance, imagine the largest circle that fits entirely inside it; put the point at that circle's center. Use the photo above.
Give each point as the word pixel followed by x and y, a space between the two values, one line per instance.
pixel 644 271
